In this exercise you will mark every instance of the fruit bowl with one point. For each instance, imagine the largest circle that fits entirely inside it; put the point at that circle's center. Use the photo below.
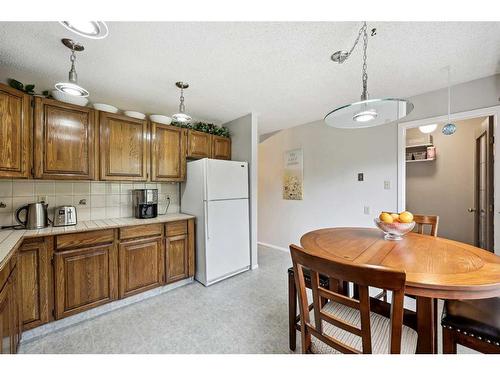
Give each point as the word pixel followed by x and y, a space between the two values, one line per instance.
pixel 394 231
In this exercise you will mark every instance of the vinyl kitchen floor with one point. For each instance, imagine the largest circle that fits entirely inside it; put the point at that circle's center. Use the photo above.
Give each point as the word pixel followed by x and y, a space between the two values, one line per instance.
pixel 245 314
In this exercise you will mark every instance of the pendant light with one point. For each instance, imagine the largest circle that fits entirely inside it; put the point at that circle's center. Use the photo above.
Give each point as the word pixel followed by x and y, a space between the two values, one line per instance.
pixel 449 128
pixel 367 112
pixel 87 29
pixel 426 129
pixel 181 116
pixel 72 87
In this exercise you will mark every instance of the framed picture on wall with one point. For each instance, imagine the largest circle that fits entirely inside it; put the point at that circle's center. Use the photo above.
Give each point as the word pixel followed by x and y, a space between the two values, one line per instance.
pixel 293 175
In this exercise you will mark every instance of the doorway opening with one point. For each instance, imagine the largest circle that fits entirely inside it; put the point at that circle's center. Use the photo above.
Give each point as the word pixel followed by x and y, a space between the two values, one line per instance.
pixel 452 176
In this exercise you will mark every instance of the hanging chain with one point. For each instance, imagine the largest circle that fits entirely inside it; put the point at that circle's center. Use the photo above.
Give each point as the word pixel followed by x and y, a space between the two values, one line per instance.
pixel 364 95
pixel 181 105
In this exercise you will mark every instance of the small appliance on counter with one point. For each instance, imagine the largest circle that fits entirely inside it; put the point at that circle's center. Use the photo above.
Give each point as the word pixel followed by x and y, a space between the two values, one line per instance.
pixel 64 216
pixel 36 216
pixel 145 203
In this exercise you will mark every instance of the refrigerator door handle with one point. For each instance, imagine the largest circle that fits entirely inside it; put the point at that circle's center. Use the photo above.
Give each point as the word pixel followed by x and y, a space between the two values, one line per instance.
pixel 206 219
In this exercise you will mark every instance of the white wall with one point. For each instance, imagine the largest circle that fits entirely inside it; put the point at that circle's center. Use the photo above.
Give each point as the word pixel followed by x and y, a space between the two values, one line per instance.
pixel 332 159
pixel 244 147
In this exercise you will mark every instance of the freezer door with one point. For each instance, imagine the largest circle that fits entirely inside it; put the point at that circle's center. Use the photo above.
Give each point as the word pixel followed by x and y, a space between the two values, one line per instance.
pixel 228 238
pixel 226 179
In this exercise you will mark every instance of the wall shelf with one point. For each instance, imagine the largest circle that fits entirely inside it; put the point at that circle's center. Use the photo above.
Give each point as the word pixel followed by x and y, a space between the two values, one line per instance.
pixel 420 145
pixel 414 161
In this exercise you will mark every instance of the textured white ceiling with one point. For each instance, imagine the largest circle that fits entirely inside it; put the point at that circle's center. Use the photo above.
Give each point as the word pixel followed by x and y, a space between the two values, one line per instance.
pixel 282 71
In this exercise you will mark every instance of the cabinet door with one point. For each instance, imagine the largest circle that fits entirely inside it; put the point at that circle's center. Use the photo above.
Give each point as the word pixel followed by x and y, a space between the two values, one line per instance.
pixel 141 266
pixel 16 302
pixel 6 320
pixel 85 278
pixel 34 269
pixel 199 145
pixel 168 153
pixel 177 262
pixel 221 147
pixel 15 134
pixel 64 140
pixel 123 147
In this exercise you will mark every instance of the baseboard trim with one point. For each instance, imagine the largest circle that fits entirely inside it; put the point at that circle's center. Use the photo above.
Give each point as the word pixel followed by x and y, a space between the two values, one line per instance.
pixel 57 325
pixel 273 246
pixel 255 266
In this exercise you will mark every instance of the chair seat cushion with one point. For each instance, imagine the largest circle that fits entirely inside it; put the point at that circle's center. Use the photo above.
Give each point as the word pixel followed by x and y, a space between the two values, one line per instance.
pixel 479 317
pixel 380 332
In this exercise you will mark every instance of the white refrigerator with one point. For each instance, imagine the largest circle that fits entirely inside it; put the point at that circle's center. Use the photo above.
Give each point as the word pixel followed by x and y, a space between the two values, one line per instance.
pixel 216 192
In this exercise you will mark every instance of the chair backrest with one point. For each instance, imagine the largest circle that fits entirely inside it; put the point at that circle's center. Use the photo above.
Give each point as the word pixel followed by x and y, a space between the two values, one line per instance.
pixel 361 275
pixel 422 220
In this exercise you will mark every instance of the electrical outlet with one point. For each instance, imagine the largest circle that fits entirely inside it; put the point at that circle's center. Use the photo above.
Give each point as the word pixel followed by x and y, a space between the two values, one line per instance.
pixel 366 210
pixel 361 177
pixel 42 198
pixel 387 185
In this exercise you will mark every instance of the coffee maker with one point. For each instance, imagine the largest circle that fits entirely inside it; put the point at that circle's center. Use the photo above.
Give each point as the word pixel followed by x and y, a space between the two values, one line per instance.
pixel 145 203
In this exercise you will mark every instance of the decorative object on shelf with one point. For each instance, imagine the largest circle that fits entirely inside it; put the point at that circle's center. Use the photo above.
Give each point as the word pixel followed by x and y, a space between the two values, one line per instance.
pixel 28 89
pixel 161 119
pixel 367 112
pixel 293 175
pixel 431 152
pixel 67 98
pixel 449 128
pixel 181 116
pixel 87 29
pixel 105 107
pixel 72 87
pixel 426 129
pixel 135 114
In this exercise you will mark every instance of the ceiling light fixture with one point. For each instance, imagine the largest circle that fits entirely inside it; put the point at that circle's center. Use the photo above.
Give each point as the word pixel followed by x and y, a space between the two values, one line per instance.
pixel 426 129
pixel 367 112
pixel 72 87
pixel 181 116
pixel 449 128
pixel 88 29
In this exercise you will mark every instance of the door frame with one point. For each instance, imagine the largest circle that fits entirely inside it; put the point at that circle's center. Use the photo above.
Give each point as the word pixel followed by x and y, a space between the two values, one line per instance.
pixel 459 116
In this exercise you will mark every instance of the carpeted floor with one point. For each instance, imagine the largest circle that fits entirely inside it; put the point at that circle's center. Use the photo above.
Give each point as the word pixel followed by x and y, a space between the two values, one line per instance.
pixel 247 313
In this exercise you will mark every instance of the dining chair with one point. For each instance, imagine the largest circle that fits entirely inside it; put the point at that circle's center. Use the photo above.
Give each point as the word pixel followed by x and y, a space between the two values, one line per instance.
pixel 473 323
pixel 344 324
pixel 423 224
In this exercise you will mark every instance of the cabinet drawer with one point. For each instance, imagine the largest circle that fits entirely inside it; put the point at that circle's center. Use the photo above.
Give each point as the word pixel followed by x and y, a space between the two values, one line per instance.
pixel 146 230
pixel 176 228
pixel 74 240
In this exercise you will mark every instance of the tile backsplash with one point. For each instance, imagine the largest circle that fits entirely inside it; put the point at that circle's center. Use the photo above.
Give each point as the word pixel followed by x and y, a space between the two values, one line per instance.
pixel 92 199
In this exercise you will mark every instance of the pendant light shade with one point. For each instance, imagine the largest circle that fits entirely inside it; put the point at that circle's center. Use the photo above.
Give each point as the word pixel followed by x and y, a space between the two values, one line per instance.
pixel 71 86
pixel 181 116
pixel 367 112
pixel 426 129
pixel 87 29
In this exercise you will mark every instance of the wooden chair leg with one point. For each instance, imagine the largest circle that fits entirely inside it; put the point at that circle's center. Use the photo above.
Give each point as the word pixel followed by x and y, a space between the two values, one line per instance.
pixel 292 312
pixel 449 342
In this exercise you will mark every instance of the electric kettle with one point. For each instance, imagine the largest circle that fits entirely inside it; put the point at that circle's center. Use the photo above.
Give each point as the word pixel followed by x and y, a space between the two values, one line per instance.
pixel 36 216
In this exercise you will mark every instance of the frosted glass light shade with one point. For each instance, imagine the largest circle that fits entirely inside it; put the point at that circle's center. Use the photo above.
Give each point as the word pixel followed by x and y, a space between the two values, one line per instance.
pixel 426 129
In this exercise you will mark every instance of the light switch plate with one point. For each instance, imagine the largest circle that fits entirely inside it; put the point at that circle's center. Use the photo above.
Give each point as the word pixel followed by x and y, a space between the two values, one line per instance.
pixel 387 185
pixel 366 210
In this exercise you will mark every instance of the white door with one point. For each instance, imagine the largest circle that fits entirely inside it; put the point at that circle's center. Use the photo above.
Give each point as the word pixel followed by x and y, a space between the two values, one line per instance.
pixel 228 238
pixel 226 179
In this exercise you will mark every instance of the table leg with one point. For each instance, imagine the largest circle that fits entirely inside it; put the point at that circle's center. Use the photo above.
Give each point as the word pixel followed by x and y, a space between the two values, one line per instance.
pixel 427 325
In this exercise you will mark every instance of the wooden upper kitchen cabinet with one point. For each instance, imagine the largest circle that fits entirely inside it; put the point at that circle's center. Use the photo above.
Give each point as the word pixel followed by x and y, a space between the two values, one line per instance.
pixel 64 145
pixel 221 147
pixel 141 265
pixel 34 278
pixel 168 153
pixel 123 147
pixel 85 278
pixel 15 133
pixel 199 144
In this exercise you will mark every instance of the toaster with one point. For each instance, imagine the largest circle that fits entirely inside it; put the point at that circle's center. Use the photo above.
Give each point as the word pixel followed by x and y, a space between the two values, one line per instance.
pixel 64 215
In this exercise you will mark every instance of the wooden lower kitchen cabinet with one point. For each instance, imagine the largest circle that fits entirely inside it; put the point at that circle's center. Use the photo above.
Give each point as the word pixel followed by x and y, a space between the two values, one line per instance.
pixel 85 278
pixel 141 265
pixel 10 324
pixel 35 283
pixel 177 258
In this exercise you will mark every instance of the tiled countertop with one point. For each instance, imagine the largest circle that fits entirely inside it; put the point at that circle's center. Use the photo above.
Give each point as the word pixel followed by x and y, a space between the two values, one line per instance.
pixel 10 238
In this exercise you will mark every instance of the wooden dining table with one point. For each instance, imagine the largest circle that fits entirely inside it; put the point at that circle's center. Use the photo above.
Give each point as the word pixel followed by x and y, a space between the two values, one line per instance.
pixel 436 268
